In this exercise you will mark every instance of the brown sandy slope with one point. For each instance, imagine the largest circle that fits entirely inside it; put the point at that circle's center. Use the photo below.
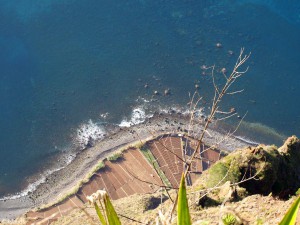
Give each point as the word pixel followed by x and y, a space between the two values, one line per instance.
pixel 251 209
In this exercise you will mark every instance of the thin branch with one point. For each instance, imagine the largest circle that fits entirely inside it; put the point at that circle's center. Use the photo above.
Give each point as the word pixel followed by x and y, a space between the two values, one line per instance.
pixel 126 217
pixel 213 79
pixel 235 92
pixel 148 182
pixel 226 117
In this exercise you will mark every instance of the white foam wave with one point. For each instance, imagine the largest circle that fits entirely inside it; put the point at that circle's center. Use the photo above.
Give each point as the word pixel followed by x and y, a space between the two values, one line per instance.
pixel 142 99
pixel 89 132
pixel 246 140
pixel 67 159
pixel 138 116
pixel 85 133
pixel 31 187
pixel 183 110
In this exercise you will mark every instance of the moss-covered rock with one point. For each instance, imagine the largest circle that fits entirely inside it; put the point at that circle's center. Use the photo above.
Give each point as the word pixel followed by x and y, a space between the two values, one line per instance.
pixel 288 181
pixel 262 169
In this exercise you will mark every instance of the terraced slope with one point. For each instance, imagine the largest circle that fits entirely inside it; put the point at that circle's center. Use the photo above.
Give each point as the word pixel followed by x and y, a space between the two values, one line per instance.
pixel 128 175
pixel 169 152
pixel 133 173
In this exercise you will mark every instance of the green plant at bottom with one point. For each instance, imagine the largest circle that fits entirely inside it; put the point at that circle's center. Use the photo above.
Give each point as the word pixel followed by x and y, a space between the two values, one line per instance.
pixel 183 214
pixel 108 216
pixel 105 210
pixel 228 219
pixel 291 215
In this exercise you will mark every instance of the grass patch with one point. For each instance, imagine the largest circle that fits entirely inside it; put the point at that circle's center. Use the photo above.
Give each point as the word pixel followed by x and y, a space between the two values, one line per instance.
pixel 115 156
pixel 150 157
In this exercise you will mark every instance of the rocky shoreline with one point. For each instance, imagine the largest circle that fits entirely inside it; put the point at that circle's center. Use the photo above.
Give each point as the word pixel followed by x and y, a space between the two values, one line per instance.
pixel 60 182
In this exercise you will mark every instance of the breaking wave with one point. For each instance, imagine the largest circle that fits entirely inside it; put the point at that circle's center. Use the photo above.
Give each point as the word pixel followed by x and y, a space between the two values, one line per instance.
pixel 246 140
pixel 66 159
pixel 89 132
pixel 84 134
pixel 138 116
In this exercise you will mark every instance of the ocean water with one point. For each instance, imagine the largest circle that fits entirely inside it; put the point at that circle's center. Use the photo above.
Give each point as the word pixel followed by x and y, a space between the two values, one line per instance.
pixel 69 65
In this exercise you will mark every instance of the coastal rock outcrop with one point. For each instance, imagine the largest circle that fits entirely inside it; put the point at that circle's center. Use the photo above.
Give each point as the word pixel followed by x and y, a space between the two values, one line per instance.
pixel 254 170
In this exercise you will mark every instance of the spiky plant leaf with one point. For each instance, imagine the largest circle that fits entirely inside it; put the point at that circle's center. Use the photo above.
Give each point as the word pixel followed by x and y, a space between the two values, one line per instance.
pixel 291 215
pixel 111 214
pixel 183 217
pixel 100 215
pixel 228 219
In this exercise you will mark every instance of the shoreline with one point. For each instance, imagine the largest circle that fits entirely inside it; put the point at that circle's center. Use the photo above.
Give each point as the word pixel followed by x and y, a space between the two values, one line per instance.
pixel 61 182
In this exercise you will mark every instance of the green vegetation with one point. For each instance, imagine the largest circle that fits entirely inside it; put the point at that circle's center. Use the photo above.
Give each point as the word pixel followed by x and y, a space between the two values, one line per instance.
pixel 115 156
pixel 229 219
pixel 222 172
pixel 259 221
pixel 183 214
pixel 105 210
pixel 151 159
pixel 108 216
pixel 291 215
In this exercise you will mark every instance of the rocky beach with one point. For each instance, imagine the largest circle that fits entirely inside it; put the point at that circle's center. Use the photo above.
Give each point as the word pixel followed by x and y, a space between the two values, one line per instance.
pixel 61 182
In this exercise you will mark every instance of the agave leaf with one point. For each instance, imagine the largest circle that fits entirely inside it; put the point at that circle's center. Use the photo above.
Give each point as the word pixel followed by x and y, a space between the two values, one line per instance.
pixel 291 215
pixel 183 217
pixel 100 215
pixel 111 214
pixel 228 219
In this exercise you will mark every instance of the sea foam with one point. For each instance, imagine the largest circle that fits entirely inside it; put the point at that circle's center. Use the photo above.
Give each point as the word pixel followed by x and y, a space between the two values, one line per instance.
pixel 246 140
pixel 138 116
pixel 66 159
pixel 89 131
pixel 31 187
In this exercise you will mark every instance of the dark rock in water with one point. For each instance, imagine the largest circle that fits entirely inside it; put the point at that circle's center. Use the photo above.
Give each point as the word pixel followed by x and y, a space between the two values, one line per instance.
pixel 172 111
pixel 90 143
pixel 219 45
pixel 167 92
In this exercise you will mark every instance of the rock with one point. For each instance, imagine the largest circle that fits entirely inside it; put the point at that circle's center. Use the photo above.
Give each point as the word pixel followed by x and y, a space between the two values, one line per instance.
pixel 167 92
pixel 90 143
pixel 232 110
pixel 223 70
pixel 265 169
pixel 219 45
pixel 153 202
pixel 203 67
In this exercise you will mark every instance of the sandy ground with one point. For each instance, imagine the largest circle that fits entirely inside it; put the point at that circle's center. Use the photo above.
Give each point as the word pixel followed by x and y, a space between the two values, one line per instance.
pixel 61 181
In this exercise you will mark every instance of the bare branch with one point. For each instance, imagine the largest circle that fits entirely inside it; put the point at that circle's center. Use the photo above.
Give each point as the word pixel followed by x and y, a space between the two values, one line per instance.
pixel 226 117
pixel 235 92
pixel 213 79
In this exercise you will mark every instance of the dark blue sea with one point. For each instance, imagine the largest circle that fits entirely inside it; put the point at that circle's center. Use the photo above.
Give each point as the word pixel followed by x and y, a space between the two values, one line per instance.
pixel 66 66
